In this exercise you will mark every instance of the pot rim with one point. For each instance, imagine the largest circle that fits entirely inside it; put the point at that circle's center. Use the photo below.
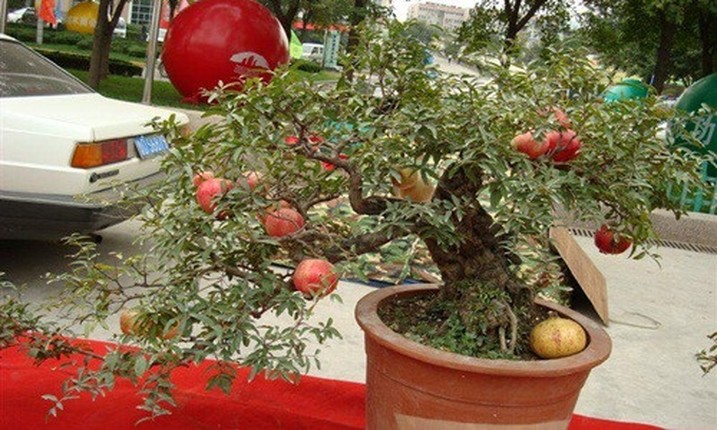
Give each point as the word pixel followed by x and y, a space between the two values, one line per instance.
pixel 596 352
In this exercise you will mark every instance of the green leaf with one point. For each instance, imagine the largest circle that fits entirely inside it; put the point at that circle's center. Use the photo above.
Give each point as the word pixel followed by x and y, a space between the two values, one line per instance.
pixel 140 365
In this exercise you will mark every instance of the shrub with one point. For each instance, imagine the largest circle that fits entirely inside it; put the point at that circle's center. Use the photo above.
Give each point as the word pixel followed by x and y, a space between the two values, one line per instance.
pixel 21 32
pixel 137 51
pixel 85 44
pixel 27 34
pixel 77 61
pixel 306 66
pixel 67 38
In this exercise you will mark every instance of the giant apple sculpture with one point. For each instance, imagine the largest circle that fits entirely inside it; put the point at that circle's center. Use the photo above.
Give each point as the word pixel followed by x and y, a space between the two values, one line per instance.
pixel 222 40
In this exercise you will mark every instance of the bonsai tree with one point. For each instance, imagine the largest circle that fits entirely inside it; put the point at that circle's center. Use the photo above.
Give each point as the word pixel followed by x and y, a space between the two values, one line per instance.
pixel 317 177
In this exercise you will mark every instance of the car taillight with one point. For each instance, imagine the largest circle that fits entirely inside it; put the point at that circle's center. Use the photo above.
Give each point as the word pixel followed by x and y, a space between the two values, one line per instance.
pixel 99 153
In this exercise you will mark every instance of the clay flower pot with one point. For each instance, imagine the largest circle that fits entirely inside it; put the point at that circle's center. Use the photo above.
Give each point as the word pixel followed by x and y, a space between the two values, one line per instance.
pixel 413 386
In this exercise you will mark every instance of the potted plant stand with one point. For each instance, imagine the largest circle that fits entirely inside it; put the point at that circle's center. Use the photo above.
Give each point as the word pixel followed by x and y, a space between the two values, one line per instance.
pixel 413 386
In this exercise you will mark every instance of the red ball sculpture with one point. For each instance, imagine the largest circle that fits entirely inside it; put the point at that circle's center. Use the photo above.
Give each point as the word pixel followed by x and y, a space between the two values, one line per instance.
pixel 222 40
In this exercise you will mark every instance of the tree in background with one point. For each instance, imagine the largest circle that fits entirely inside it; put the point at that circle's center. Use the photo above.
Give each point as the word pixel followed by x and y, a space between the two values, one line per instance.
pixel 285 11
pixel 324 13
pixel 707 27
pixel 656 40
pixel 493 22
pixel 320 12
pixel 15 4
pixel 107 19
pixel 424 33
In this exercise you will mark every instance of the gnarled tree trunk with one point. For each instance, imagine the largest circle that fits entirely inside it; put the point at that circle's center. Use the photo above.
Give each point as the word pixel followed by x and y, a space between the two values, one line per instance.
pixel 478 267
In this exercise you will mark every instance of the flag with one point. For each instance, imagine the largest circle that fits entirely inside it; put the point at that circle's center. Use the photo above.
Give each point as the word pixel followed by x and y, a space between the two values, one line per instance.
pixel 47 11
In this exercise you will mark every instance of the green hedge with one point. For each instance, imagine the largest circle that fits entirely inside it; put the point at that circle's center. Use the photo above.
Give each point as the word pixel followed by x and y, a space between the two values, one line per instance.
pixel 27 33
pixel 132 47
pixel 306 66
pixel 129 47
pixel 68 60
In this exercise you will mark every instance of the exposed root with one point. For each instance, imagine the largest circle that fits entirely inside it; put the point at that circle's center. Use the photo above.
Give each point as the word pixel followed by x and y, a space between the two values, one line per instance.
pixel 508 347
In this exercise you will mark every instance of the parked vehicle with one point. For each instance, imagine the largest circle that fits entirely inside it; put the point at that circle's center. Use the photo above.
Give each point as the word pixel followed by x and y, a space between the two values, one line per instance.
pixel 17 14
pixel 313 52
pixel 120 29
pixel 67 150
pixel 27 15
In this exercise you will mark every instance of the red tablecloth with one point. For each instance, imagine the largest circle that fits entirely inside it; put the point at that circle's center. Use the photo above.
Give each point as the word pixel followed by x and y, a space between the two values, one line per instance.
pixel 313 403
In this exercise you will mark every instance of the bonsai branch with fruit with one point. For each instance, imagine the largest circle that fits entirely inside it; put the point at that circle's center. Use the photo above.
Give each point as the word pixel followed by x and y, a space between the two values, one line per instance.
pixel 322 176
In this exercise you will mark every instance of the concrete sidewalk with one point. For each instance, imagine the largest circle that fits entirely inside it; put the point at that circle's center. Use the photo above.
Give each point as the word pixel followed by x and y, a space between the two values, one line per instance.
pixel 660 316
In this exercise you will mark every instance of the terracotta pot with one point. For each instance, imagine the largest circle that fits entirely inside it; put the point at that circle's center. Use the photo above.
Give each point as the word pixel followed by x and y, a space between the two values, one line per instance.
pixel 413 386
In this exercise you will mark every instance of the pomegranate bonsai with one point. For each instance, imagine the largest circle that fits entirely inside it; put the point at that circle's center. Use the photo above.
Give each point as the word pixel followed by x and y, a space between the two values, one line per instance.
pixel 483 219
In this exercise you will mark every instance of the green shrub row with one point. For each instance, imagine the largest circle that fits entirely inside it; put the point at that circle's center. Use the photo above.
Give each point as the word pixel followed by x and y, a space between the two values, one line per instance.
pixel 68 60
pixel 27 33
pixel 306 66
pixel 131 47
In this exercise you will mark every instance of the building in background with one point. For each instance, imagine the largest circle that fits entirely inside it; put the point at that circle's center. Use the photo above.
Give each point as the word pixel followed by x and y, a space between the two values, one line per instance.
pixel 385 3
pixel 141 11
pixel 445 16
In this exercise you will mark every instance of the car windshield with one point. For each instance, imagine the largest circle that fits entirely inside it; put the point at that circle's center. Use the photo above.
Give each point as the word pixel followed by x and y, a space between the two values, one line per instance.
pixel 23 72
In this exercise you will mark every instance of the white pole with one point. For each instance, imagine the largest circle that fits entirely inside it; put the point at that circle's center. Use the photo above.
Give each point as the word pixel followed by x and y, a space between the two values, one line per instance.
pixel 151 52
pixel 40 28
pixel 3 15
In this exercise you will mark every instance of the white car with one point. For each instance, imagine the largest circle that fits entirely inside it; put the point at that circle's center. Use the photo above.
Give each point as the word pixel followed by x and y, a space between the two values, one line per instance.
pixel 17 14
pixel 121 29
pixel 64 148
pixel 313 52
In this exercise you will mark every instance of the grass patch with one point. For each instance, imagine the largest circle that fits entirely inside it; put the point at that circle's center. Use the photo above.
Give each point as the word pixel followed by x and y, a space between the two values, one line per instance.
pixel 164 93
pixel 324 75
pixel 130 89
pixel 77 50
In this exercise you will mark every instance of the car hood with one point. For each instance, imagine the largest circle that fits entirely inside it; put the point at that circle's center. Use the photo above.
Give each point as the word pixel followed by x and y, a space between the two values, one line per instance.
pixel 88 117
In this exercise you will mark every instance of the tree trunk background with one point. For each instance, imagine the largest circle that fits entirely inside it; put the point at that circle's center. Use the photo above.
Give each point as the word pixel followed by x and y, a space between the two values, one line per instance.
pixel 709 51
pixel 285 14
pixel 664 52
pixel 102 43
pixel 515 23
pixel 99 60
pixel 358 14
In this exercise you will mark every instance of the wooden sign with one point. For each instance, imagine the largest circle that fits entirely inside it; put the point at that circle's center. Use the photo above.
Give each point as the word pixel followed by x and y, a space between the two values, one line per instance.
pixel 588 276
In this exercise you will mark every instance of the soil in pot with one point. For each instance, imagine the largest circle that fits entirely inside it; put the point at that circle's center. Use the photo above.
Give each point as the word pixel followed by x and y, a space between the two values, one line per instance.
pixel 428 320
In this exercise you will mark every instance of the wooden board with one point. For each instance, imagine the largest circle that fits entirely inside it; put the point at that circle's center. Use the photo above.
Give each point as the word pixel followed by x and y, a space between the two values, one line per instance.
pixel 588 276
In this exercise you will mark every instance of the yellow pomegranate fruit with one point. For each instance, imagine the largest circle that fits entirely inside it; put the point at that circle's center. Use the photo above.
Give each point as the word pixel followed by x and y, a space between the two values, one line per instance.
pixel 557 337
pixel 412 186
pixel 129 324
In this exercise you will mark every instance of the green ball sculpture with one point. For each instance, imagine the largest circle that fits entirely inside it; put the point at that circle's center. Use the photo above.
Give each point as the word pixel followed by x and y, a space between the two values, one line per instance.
pixel 626 90
pixel 704 128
